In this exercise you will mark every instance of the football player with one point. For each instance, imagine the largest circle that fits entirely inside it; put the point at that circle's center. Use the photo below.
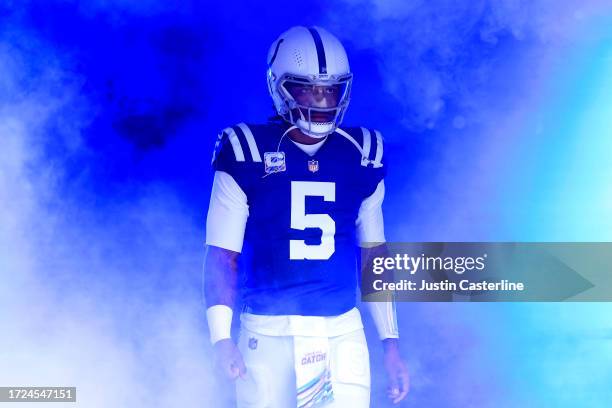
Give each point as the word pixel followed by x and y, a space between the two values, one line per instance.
pixel 300 192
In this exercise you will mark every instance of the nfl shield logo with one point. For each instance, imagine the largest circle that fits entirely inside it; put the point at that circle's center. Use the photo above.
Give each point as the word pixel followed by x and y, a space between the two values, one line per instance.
pixel 313 165
pixel 253 343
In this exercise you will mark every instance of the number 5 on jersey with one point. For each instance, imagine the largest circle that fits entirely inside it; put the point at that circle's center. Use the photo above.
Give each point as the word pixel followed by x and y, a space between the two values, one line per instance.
pixel 298 249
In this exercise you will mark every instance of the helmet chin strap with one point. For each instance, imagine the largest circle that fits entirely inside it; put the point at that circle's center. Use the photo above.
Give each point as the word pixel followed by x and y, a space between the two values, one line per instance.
pixel 313 129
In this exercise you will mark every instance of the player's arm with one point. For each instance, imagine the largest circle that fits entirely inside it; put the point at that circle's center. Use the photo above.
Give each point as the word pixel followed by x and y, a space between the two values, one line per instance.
pixel 371 236
pixel 225 226
pixel 220 275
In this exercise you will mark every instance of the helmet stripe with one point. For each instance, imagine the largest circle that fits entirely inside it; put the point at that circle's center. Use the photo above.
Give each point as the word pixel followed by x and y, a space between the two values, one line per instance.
pixel 275 52
pixel 320 50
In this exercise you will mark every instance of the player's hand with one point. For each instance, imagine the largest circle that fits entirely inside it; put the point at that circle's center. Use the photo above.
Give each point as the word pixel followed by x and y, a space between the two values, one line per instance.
pixel 397 373
pixel 228 359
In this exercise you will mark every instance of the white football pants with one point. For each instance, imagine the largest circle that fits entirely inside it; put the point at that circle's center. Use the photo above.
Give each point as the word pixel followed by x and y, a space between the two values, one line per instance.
pixel 270 379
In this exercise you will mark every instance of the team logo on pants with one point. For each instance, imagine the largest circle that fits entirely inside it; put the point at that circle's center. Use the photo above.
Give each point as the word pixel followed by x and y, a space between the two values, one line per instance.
pixel 253 343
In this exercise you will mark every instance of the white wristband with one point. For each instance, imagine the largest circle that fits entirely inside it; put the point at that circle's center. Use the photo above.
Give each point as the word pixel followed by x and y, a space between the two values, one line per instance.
pixel 385 319
pixel 219 322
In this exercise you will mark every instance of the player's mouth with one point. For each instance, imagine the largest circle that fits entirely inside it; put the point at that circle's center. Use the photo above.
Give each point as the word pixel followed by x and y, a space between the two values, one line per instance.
pixel 320 117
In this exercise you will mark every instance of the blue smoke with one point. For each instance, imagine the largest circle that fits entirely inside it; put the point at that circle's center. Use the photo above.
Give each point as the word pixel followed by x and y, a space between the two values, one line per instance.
pixel 108 115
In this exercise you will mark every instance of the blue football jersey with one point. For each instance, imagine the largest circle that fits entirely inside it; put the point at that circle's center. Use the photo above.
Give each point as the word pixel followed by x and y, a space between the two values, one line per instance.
pixel 301 228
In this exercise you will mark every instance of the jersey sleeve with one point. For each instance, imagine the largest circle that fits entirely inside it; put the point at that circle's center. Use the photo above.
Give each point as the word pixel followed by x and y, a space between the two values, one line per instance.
pixel 235 159
pixel 369 223
pixel 227 213
pixel 236 153
pixel 384 315
pixel 372 156
pixel 228 153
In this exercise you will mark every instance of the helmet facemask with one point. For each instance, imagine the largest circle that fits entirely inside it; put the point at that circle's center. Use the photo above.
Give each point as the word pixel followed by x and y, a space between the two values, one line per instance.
pixel 316 106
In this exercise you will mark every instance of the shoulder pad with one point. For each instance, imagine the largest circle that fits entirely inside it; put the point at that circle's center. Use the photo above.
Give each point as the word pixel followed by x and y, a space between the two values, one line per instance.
pixel 242 142
pixel 369 142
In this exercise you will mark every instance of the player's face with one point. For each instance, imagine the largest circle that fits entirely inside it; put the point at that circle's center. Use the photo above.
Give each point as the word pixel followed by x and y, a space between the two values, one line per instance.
pixel 316 96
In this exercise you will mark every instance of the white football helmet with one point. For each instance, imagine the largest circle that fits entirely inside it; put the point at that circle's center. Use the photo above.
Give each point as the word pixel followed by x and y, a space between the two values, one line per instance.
pixel 309 79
